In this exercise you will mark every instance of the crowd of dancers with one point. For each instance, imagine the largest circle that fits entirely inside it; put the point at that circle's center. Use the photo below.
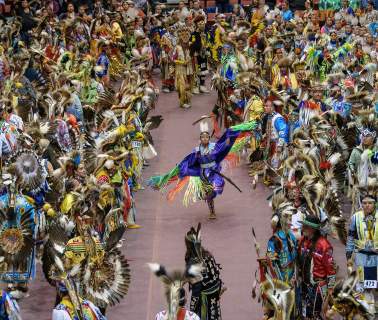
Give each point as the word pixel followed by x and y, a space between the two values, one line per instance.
pixel 296 99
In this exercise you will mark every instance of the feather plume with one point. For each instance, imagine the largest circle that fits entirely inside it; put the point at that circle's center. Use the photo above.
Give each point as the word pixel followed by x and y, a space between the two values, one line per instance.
pixel 157 269
pixel 59 263
pixel 195 270
pixel 334 158
pixel 204 126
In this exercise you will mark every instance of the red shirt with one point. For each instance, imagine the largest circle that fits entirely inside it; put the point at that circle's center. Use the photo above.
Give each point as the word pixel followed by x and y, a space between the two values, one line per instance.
pixel 322 260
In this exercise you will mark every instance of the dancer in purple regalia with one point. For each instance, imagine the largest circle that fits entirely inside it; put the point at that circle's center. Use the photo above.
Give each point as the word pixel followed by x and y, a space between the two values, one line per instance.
pixel 201 169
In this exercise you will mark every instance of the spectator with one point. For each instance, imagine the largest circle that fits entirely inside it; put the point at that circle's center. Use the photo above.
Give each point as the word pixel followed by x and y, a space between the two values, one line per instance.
pixel 196 10
pixel 116 28
pixel 99 10
pixel 183 11
pixel 27 21
pixel 70 14
pixel 327 26
pixel 76 108
pixel 53 7
pixel 131 12
pixel 237 14
pixel 286 13
pixel 82 13
pixel 308 10
pixel 371 14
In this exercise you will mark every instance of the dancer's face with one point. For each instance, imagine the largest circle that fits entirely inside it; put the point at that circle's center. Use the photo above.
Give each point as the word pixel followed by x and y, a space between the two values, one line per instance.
pixel 205 139
pixel 268 108
pixel 308 232
pixel 185 37
pixel 368 205
pixel 241 45
pixel 299 27
pixel 368 141
pixel 318 95
pixel 279 53
pixel 201 25
pixel 286 221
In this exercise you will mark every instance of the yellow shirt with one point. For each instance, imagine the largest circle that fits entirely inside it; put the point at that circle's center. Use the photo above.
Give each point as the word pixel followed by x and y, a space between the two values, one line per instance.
pixel 116 31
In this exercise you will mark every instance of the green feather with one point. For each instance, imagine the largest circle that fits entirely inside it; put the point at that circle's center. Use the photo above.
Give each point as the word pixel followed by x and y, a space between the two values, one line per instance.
pixel 238 145
pixel 159 182
pixel 247 126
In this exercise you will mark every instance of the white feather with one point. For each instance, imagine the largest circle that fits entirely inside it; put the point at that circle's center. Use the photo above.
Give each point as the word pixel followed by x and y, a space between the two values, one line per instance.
pixel 98 68
pixel 274 221
pixel 59 263
pixel 323 142
pixel 59 248
pixel 233 65
pixel 335 158
pixel 204 127
pixel 75 270
pixel 195 270
pixel 154 267
pixel 362 20
pixel 371 67
pixel 340 141
pixel 135 53
pixel 108 114
pixel 116 122
pixel 44 128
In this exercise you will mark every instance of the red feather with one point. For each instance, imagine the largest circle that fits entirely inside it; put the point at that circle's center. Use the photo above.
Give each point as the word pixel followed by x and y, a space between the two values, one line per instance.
pixel 179 186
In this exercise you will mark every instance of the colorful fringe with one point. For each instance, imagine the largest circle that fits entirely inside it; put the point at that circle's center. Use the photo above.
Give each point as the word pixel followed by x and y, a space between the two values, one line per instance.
pixel 342 52
pixel 197 190
pixel 240 142
pixel 232 160
pixel 160 182
pixel 312 58
pixel 179 186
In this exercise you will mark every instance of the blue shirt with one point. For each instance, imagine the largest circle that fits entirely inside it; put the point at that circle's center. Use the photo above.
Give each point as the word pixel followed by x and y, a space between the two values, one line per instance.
pixel 103 61
pixel 76 108
pixel 287 15
pixel 282 249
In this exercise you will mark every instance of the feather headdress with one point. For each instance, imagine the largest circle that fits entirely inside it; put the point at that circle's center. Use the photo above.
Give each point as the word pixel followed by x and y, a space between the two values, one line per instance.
pixel 280 295
pixel 174 282
pixel 204 127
